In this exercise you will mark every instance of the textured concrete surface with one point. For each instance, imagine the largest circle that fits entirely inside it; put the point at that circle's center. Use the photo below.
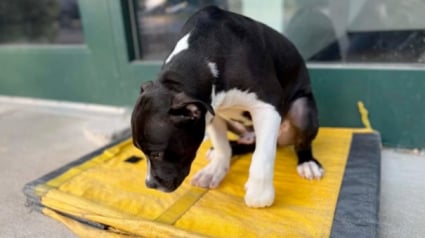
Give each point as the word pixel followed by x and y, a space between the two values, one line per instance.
pixel 36 138
pixel 402 207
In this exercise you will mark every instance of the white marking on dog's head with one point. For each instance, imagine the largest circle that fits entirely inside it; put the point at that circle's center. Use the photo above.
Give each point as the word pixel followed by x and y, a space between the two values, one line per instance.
pixel 182 44
pixel 213 69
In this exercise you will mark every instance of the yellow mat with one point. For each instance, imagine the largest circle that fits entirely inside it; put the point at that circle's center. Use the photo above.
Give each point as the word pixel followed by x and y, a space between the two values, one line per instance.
pixel 108 192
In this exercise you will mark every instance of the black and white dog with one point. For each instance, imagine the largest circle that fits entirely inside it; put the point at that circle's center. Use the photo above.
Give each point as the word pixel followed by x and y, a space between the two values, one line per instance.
pixel 226 70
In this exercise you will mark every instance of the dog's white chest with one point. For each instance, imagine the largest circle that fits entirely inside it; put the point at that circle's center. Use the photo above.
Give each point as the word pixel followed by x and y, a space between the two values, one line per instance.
pixel 232 104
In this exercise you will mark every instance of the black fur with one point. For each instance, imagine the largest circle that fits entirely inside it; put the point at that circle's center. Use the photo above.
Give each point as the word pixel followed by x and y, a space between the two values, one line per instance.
pixel 168 122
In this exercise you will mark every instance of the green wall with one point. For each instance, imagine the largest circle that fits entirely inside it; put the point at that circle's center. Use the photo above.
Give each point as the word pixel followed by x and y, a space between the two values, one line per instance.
pixel 394 98
pixel 90 72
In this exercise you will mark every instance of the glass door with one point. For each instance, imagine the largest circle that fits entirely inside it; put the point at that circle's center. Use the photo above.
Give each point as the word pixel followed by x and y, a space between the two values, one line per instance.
pixel 357 50
pixel 100 51
pixel 58 49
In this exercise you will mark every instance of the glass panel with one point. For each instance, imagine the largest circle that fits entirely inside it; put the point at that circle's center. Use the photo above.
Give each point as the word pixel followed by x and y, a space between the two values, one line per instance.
pixel 40 22
pixel 357 30
pixel 323 30
pixel 160 20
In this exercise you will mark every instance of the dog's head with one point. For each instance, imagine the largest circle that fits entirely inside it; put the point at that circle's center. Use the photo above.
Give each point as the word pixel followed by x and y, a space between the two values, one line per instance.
pixel 168 127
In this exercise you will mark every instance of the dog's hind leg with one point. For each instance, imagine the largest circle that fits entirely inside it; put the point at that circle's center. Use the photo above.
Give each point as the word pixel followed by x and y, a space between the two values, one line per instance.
pixel 303 119
pixel 246 138
pixel 244 144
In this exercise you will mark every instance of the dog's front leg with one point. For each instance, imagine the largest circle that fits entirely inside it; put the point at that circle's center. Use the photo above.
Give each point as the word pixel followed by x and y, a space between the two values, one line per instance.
pixel 212 174
pixel 259 187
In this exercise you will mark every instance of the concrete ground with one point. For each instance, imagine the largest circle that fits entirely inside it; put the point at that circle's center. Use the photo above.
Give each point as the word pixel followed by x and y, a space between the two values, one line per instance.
pixel 37 137
pixel 402 204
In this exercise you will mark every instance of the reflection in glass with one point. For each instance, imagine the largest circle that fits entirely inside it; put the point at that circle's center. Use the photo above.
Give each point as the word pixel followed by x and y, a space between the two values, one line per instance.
pixel 40 22
pixel 323 30
pixel 160 20
pixel 357 30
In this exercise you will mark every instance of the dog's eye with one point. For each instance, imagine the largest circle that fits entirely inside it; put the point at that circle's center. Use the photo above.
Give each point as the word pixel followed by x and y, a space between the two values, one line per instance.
pixel 156 155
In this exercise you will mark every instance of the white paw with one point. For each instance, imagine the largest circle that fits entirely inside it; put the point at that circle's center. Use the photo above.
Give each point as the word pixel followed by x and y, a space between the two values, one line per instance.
pixel 211 175
pixel 210 153
pixel 259 193
pixel 310 170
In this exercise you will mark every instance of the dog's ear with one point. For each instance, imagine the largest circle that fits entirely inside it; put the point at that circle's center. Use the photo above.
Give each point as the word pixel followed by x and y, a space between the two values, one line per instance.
pixel 146 86
pixel 185 109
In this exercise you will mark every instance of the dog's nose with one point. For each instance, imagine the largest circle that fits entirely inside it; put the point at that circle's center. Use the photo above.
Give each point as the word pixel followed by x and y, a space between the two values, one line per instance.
pixel 151 183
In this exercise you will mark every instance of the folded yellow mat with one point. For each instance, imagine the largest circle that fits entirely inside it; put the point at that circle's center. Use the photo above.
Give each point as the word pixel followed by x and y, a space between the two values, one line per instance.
pixel 109 190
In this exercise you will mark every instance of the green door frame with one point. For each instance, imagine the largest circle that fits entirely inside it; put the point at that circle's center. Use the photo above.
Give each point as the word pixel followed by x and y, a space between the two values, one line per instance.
pixel 100 71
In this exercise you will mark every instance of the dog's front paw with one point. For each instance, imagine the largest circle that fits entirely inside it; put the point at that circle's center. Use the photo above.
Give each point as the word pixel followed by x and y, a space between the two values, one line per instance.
pixel 310 170
pixel 259 193
pixel 210 154
pixel 211 175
